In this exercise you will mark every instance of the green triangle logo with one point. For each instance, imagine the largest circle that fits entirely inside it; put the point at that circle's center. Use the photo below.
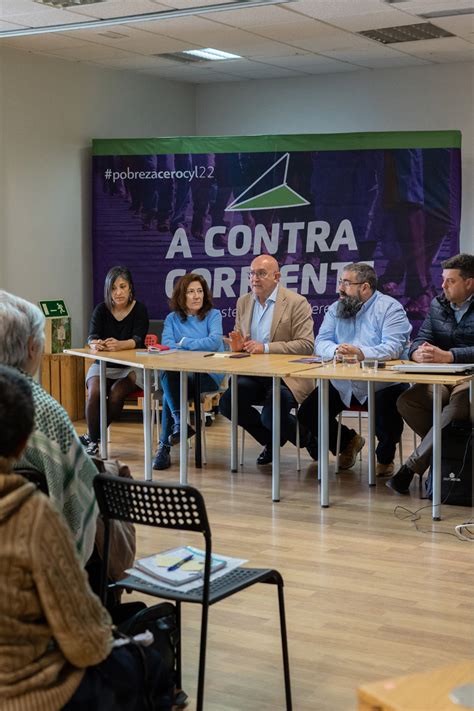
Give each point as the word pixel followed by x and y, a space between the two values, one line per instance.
pixel 280 196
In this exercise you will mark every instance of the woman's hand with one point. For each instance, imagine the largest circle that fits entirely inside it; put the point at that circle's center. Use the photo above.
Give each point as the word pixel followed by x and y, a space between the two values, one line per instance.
pixel 97 345
pixel 111 344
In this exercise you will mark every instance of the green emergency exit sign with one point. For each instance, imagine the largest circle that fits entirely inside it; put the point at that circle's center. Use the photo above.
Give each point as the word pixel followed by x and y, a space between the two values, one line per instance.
pixel 53 309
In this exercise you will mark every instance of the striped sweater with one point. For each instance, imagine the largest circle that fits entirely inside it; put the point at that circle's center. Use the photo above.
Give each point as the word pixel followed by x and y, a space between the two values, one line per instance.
pixel 54 449
pixel 51 625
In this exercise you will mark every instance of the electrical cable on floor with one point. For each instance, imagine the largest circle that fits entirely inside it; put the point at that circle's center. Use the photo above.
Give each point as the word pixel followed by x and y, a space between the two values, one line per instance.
pixel 462 531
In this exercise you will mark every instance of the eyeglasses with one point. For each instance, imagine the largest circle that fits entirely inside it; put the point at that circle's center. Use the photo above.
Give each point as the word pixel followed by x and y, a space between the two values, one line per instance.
pixel 260 273
pixel 346 282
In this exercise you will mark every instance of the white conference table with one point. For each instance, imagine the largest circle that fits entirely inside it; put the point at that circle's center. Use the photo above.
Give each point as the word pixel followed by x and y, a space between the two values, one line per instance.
pixel 275 366
pixel 325 373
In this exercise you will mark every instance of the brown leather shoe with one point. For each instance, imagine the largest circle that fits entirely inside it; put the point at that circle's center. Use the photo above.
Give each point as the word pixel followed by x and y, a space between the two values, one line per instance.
pixel 348 457
pixel 384 469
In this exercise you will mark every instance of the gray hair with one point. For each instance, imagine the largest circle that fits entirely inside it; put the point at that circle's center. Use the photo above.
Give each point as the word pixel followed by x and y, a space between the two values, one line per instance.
pixel 19 321
pixel 365 273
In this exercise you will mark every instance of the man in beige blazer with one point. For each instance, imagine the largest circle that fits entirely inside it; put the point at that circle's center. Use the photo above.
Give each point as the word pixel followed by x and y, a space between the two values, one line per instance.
pixel 270 319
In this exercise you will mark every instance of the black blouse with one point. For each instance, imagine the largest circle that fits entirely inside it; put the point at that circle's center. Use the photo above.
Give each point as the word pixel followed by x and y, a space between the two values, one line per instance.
pixel 103 325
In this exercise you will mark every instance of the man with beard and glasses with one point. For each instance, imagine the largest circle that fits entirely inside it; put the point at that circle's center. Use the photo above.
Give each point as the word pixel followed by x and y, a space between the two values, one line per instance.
pixel 368 324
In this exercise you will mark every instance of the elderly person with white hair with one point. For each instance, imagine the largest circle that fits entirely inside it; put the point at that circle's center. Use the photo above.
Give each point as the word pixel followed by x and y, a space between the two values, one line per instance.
pixel 54 447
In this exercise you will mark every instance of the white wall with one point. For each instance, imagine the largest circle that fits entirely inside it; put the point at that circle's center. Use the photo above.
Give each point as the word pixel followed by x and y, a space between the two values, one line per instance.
pixel 49 112
pixel 420 98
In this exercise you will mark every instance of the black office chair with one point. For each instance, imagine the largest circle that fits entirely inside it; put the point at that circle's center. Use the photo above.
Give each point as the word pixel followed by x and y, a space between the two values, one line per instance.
pixel 180 507
pixel 36 477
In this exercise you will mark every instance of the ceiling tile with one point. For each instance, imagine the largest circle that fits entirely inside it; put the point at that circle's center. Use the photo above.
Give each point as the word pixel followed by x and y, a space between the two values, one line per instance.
pixel 372 21
pixel 377 61
pixel 118 8
pixel 136 62
pixel 7 26
pixel 421 6
pixel 311 63
pixel 445 45
pixel 462 25
pixel 324 9
pixel 271 15
pixel 292 32
pixel 133 41
pixel 88 51
pixel 336 40
pixel 43 17
pixel 41 43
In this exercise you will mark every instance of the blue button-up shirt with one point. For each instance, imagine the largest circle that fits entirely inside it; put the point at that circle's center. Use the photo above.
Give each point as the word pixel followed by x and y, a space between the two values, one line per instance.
pixel 459 311
pixel 262 317
pixel 380 329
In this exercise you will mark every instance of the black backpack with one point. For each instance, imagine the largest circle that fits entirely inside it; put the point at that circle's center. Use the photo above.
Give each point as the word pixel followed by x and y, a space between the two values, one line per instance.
pixel 456 466
pixel 135 617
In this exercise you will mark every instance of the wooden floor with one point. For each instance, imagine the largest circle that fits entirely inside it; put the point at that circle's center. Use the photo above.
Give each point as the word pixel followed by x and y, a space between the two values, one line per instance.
pixel 367 595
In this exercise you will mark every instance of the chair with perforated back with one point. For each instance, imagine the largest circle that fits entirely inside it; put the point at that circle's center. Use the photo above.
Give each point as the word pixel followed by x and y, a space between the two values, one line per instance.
pixel 36 477
pixel 182 508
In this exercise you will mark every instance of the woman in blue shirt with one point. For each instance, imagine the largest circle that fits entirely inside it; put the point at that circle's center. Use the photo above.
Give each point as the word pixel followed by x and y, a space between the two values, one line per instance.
pixel 192 325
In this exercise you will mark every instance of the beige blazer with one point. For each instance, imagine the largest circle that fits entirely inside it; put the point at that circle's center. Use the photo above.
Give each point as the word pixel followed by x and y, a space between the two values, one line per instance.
pixel 292 331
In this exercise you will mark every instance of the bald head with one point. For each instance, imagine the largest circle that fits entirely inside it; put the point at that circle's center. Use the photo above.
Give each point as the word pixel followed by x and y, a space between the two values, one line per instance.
pixel 264 276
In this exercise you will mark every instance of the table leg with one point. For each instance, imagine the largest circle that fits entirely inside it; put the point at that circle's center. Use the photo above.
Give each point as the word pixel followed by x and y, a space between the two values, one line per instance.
pixel 436 510
pixel 147 423
pixel 197 421
pixel 323 457
pixel 233 423
pixel 471 399
pixel 276 423
pixel 371 430
pixel 183 441
pixel 103 409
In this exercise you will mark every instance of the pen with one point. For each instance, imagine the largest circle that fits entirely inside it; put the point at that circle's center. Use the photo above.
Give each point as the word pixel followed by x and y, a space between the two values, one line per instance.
pixel 180 563
pixel 208 355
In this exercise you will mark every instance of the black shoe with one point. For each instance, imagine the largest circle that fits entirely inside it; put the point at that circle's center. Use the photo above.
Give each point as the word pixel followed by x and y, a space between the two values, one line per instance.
pixel 162 458
pixel 175 435
pixel 265 456
pixel 400 482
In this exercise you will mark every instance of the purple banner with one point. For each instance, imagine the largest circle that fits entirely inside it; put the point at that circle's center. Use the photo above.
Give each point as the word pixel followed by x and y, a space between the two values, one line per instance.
pixel 165 214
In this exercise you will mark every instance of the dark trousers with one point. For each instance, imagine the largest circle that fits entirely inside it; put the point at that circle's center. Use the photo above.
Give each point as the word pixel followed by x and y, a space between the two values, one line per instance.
pixel 125 681
pixel 388 422
pixel 253 390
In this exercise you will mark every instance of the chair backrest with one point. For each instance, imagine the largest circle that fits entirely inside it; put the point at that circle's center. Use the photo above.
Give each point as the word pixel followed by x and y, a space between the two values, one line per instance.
pixel 156 327
pixel 36 477
pixel 151 503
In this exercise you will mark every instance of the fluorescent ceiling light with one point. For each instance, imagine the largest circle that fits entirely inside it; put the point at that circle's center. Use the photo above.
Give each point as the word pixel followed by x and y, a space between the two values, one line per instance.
pixel 448 13
pixel 148 17
pixel 210 53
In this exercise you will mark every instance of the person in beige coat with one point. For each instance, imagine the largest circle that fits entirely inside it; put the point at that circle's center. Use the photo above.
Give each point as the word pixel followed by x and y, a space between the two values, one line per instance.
pixel 56 639
pixel 270 319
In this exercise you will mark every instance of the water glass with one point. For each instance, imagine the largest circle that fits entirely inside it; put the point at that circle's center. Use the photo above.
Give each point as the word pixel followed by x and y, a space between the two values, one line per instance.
pixel 370 365
pixel 349 360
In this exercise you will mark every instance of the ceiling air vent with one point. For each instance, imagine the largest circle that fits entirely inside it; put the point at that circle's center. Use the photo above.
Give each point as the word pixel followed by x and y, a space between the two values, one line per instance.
pixel 406 33
pixel 113 35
